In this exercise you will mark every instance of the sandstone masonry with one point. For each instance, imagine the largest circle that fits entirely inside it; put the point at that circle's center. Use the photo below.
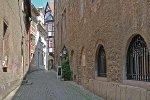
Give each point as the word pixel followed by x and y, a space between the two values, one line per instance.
pixel 111 23
pixel 13 44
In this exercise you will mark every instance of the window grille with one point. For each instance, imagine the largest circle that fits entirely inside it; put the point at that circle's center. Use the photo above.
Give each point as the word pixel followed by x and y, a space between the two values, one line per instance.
pixel 138 60
pixel 101 66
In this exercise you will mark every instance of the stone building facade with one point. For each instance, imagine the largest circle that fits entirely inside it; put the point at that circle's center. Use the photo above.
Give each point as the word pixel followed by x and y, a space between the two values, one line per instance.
pixel 33 35
pixel 89 28
pixel 38 40
pixel 14 43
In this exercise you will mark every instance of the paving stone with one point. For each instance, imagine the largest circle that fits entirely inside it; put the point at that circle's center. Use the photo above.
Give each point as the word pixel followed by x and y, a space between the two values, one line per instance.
pixel 46 86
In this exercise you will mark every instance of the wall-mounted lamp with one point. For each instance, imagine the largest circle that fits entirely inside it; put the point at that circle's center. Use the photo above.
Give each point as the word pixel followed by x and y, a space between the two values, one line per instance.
pixel 64 50
pixel 60 54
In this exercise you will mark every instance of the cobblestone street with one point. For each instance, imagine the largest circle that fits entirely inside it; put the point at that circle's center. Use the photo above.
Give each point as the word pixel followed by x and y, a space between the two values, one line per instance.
pixel 46 86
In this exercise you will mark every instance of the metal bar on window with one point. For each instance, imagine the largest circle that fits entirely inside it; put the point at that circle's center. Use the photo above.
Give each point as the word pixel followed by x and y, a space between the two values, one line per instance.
pixel 138 60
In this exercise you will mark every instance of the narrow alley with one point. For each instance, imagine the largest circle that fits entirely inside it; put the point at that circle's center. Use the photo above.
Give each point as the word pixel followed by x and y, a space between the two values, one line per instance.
pixel 100 48
pixel 46 86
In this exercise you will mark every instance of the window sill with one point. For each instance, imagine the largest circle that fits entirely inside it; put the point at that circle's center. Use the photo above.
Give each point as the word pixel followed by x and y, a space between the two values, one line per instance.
pixel 104 79
pixel 141 84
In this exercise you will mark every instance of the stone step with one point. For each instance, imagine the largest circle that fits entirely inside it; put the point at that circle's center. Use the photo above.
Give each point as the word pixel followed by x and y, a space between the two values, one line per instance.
pixel 26 82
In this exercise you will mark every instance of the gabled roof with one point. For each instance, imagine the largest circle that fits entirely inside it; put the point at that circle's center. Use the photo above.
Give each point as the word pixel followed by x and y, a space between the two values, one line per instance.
pixel 51 6
pixel 49 11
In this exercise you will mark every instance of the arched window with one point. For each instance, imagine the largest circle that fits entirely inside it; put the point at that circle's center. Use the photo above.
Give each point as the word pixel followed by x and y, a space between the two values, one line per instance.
pixel 101 62
pixel 138 60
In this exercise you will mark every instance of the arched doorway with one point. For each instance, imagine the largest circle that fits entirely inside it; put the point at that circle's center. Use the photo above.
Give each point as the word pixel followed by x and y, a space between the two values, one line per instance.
pixel 51 61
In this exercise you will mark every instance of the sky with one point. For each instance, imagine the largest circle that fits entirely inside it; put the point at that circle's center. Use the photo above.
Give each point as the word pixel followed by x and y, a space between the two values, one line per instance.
pixel 40 3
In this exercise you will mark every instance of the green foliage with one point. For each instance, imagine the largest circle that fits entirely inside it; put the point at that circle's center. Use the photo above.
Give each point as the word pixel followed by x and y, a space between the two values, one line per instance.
pixel 66 72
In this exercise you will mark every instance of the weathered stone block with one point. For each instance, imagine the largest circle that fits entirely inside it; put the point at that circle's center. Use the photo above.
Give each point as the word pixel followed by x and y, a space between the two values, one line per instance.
pixel 133 93
pixel 118 93
pixel 103 90
pixel 137 93
pixel 130 93
pixel 100 86
pixel 143 94
pixel 148 95
pixel 96 86
pixel 123 92
pixel 111 91
pixel 91 84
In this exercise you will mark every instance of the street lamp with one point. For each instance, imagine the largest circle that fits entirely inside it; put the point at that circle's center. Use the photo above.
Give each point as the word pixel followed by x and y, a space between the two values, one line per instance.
pixel 63 53
pixel 64 50
pixel 60 54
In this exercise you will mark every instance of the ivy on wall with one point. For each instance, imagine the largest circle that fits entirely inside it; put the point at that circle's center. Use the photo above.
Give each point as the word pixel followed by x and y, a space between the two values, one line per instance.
pixel 66 72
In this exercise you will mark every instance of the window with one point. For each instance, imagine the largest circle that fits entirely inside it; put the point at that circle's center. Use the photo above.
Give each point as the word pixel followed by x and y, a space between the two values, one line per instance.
pixel 138 60
pixel 64 21
pixel 34 21
pixel 51 44
pixel 83 57
pixel 101 62
pixel 22 6
pixel 32 39
pixel 5 28
pixel 64 24
pixel 81 8
pixel 5 39
pixel 93 1
pixel 50 26
pixel 5 43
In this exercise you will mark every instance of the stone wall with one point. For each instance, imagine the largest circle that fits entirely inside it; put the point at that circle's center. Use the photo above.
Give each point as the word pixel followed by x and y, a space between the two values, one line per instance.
pixel 110 23
pixel 117 91
pixel 11 13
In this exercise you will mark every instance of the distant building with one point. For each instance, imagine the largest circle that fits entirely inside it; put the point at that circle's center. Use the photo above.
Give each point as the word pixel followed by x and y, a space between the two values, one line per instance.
pixel 42 43
pixel 33 37
pixel 49 25
pixel 38 40
pixel 41 48
pixel 15 17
